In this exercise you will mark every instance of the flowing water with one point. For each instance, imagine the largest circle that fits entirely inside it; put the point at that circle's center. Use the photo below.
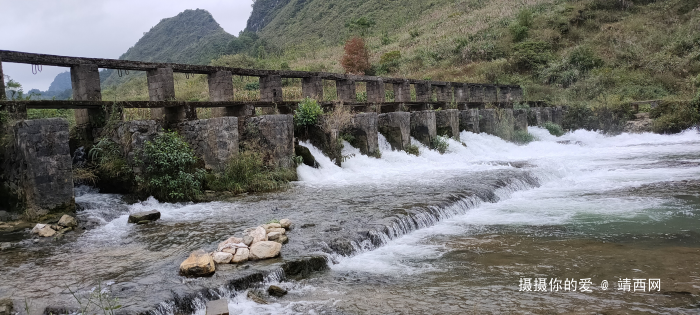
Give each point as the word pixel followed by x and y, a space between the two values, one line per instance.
pixel 435 234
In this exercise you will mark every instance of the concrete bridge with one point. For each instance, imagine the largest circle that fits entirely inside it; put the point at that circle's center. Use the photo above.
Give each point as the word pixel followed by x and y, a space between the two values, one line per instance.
pixel 37 170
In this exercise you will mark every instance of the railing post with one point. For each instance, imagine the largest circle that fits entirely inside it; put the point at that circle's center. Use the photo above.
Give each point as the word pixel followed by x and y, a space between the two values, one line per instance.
pixel 271 88
pixel 2 83
pixel 424 92
pixel 476 93
pixel 376 92
pixel 161 87
pixel 402 92
pixel 444 94
pixel 221 90
pixel 490 94
pixel 85 80
pixel 312 87
pixel 460 94
pixel 346 91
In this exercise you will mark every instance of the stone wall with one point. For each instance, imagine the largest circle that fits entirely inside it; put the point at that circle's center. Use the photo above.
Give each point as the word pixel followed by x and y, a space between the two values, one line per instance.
pixel 132 137
pixel 214 140
pixel 37 173
pixel 273 136
pixel 447 123
pixel 469 120
pixel 520 117
pixel 396 128
pixel 423 126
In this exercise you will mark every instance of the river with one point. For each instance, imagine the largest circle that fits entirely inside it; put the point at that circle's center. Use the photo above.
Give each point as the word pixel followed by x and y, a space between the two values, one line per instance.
pixel 459 233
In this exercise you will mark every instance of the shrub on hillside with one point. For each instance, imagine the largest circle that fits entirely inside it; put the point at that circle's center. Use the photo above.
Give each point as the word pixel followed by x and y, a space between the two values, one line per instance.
pixel 390 61
pixel 674 117
pixel 356 58
pixel 169 172
pixel 531 55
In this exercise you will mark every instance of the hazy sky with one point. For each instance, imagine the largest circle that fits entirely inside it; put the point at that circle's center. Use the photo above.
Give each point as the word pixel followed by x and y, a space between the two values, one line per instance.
pixel 94 28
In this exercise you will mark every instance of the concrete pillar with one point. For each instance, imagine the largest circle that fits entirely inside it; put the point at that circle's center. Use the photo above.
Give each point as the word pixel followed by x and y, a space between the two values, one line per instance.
pixel 447 123
pixel 85 80
pixel 520 118
pixel 487 121
pixel 546 114
pixel 396 128
pixel 504 94
pixel 490 94
pixel 37 169
pixel 161 87
pixel 214 140
pixel 221 90
pixel 516 93
pixel 365 131
pixel 423 126
pixel 2 83
pixel 558 115
pixel 424 92
pixel 312 87
pixel 469 120
pixel 534 117
pixel 275 134
pixel 476 93
pixel 499 123
pixel 271 88
pixel 346 91
pixel 402 92
pixel 376 92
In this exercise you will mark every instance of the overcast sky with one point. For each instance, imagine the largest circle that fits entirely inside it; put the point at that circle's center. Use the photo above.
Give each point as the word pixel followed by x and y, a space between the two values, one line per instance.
pixel 94 28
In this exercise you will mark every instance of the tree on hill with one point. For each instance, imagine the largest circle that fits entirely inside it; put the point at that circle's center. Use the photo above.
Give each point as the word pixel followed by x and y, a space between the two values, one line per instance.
pixel 356 58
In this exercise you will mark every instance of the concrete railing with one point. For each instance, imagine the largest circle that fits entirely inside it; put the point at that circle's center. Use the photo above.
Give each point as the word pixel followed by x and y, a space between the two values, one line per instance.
pixel 87 98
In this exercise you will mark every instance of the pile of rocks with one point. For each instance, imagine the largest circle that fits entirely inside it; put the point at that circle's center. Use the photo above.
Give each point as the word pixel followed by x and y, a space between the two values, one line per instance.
pixel 262 242
pixel 65 224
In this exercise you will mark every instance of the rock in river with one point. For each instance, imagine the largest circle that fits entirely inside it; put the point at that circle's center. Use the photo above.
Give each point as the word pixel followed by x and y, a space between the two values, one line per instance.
pixel 240 256
pixel 199 264
pixel 258 234
pixel 285 223
pixel 276 291
pixel 264 250
pixel 222 258
pixel 67 221
pixel 273 236
pixel 152 215
pixel 44 230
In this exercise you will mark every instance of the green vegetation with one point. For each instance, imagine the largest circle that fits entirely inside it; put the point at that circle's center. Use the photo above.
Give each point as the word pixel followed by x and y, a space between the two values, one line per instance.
pixel 675 116
pixel 307 113
pixel 110 164
pixel 523 137
pixel 248 173
pixel 412 149
pixel 169 172
pixel 440 144
pixel 554 129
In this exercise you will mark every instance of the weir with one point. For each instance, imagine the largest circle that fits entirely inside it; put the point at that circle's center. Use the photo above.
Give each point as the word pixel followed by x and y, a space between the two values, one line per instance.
pixel 217 140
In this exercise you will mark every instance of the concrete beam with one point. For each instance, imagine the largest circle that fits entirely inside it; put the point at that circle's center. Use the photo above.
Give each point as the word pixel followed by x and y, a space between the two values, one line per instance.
pixel 346 91
pixel 424 92
pixel 423 127
pixel 396 128
pixel 447 123
pixel 469 120
pixel 516 93
pixel 221 90
pixel 2 83
pixel 271 88
pixel 312 87
pixel 504 94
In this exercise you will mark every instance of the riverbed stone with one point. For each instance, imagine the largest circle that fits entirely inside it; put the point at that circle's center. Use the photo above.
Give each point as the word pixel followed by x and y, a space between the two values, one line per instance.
pixel 241 255
pixel 248 240
pixel 272 226
pixel 259 234
pixel 285 223
pixel 199 264
pixel 273 236
pixel 229 243
pixel 279 230
pixel 150 216
pixel 218 307
pixel 276 291
pixel 283 239
pixel 67 221
pixel 6 307
pixel 222 258
pixel 256 298
pixel 43 230
pixel 264 250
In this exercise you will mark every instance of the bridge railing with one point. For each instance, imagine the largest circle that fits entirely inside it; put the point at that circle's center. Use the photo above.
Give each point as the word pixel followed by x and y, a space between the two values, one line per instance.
pixel 89 107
